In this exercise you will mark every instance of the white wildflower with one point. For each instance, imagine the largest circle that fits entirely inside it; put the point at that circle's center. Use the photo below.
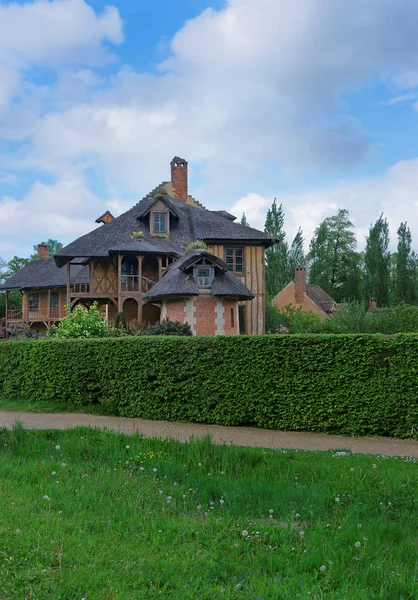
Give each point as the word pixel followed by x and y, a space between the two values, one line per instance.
pixel 322 568
pixel 245 533
pixel 57 447
pixel 357 544
pixel 337 499
pixel 127 446
pixel 53 473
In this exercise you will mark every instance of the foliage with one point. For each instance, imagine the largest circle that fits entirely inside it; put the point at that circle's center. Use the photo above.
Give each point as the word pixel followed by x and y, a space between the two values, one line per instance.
pixel 81 323
pixel 197 245
pixel 182 521
pixel 377 262
pixel 352 384
pixel 244 221
pixel 53 247
pixel 14 265
pixel 22 330
pixel 332 257
pixel 292 320
pixel 167 327
pixel 120 321
pixel 277 274
pixel 405 267
pixel 137 235
pixel 296 255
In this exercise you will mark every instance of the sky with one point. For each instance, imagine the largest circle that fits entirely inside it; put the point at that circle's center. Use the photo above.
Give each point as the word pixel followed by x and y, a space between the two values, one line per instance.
pixel 313 103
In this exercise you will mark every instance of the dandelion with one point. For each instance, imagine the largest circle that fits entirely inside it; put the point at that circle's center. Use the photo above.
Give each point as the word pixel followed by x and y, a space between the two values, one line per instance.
pixel 141 468
pixel 297 515
pixel 53 473
pixel 211 503
pixel 155 470
pixel 301 533
pixel 221 501
pixel 169 498
pixel 57 447
pixel 17 531
pixel 352 469
pixel 245 533
pixel 322 568
pixel 271 511
pixel 357 544
pixel 337 499
pixel 199 464
pixel 184 495
pixel 127 446
pixel 64 465
pixel 238 586
pixel 46 497
pixel 389 503
pixel 359 525
pixel 160 491
pixel 222 473
pixel 199 507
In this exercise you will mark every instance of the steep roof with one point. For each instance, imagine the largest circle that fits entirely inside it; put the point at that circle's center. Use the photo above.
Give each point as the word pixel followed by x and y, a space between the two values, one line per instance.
pixel 44 273
pixel 179 281
pixel 321 298
pixel 188 223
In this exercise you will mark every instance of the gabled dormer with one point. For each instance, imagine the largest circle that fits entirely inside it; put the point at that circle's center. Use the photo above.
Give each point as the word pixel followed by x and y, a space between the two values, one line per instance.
pixel 159 214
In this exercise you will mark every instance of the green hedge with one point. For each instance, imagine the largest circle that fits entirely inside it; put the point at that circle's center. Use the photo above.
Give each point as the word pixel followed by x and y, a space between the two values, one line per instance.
pixel 353 384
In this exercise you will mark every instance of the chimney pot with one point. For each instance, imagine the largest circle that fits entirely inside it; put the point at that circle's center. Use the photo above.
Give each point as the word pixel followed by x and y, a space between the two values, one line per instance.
pixel 179 178
pixel 300 284
pixel 42 250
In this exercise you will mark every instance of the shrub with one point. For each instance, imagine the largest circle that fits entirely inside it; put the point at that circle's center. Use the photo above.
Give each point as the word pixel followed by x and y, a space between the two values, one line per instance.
pixel 23 330
pixel 167 327
pixel 81 323
pixel 352 384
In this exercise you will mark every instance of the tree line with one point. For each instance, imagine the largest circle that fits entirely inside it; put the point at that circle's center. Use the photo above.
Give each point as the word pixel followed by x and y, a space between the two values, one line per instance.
pixel 334 263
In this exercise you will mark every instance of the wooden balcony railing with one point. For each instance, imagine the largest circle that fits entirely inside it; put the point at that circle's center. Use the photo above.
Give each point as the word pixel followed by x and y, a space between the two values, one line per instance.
pixel 36 315
pixel 130 283
pixel 79 288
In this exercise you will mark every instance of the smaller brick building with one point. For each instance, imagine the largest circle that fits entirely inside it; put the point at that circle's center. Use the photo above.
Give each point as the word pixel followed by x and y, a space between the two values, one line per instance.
pixel 201 290
pixel 300 294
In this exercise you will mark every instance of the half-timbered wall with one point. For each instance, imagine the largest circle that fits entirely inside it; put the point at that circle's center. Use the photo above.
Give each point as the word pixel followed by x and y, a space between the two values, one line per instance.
pixel 253 278
pixel 104 276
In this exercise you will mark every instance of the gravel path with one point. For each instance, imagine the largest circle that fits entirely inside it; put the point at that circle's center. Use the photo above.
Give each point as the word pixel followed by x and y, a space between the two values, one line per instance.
pixel 239 436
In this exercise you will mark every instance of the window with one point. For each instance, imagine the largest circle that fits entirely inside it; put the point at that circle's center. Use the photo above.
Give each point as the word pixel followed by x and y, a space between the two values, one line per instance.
pixel 53 301
pixel 241 318
pixel 33 302
pixel 235 260
pixel 160 222
pixel 204 277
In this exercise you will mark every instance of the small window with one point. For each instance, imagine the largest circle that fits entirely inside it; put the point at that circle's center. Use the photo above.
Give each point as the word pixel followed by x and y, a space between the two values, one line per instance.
pixel 160 222
pixel 241 319
pixel 33 302
pixel 235 260
pixel 204 277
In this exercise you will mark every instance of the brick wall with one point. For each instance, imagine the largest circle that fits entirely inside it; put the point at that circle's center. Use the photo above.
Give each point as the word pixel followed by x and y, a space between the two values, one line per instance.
pixel 231 326
pixel 205 315
pixel 176 310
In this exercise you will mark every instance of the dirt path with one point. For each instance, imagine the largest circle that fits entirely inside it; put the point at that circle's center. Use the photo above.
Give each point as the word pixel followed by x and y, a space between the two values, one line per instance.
pixel 239 436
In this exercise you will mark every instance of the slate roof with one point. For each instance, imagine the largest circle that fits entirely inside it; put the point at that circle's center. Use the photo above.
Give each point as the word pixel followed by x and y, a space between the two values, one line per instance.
pixel 178 280
pixel 321 298
pixel 187 224
pixel 44 273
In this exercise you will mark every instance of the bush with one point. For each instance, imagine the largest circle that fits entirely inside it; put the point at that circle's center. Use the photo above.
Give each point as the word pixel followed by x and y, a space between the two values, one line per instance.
pixel 81 323
pixel 167 327
pixel 352 384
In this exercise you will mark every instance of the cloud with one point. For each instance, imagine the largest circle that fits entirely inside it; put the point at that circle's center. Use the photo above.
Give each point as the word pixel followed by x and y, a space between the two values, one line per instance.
pixel 248 94
pixel 392 193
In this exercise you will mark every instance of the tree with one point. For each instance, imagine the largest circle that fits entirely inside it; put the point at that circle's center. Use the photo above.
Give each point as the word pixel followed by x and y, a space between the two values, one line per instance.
pixel 14 265
pixel 296 254
pixel 244 220
pixel 53 247
pixel 404 267
pixel 277 271
pixel 377 263
pixel 81 323
pixel 333 261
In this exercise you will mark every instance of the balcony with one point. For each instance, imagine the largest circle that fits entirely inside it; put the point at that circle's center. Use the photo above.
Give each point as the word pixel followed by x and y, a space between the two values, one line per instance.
pixel 19 316
pixel 131 283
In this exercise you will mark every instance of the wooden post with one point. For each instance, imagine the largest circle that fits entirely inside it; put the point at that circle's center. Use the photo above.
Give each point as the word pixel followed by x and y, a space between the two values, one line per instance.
pixel 68 283
pixel 120 258
pixel 160 267
pixel 48 308
pixel 140 258
pixel 7 308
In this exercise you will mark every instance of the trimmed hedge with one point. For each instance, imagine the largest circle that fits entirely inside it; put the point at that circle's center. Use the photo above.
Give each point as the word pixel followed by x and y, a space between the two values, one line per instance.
pixel 352 384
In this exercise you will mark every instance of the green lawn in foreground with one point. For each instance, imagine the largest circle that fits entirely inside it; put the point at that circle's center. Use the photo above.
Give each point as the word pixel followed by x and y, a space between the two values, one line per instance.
pixel 98 515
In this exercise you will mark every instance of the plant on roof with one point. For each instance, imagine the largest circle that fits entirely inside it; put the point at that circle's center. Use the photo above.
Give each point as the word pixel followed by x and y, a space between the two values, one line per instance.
pixel 137 235
pixel 159 235
pixel 197 245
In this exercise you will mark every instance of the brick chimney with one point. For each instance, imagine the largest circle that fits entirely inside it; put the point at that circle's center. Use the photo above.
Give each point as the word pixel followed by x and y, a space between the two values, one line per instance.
pixel 179 178
pixel 373 304
pixel 42 250
pixel 300 284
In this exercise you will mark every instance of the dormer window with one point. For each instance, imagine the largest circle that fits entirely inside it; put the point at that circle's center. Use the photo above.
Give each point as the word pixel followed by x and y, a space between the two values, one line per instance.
pixel 204 276
pixel 159 222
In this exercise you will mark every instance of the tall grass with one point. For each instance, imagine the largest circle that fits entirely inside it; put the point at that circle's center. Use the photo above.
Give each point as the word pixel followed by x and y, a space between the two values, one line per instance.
pixel 98 515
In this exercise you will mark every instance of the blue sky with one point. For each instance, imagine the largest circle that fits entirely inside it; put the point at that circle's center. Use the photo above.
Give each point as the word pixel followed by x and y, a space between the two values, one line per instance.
pixel 313 102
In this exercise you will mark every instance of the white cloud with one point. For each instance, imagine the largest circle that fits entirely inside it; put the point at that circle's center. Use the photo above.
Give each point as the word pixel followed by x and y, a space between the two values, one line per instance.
pixel 250 92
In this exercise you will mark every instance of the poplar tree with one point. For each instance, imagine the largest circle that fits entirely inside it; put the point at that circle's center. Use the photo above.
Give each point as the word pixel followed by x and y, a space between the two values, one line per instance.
pixel 405 267
pixel 244 220
pixel 377 263
pixel 277 271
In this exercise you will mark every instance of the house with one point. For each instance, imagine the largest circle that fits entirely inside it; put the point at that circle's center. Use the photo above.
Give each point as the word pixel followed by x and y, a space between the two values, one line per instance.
pixel 147 264
pixel 300 294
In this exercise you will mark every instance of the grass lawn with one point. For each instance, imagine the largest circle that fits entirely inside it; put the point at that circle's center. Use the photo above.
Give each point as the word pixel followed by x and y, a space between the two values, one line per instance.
pixel 98 515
